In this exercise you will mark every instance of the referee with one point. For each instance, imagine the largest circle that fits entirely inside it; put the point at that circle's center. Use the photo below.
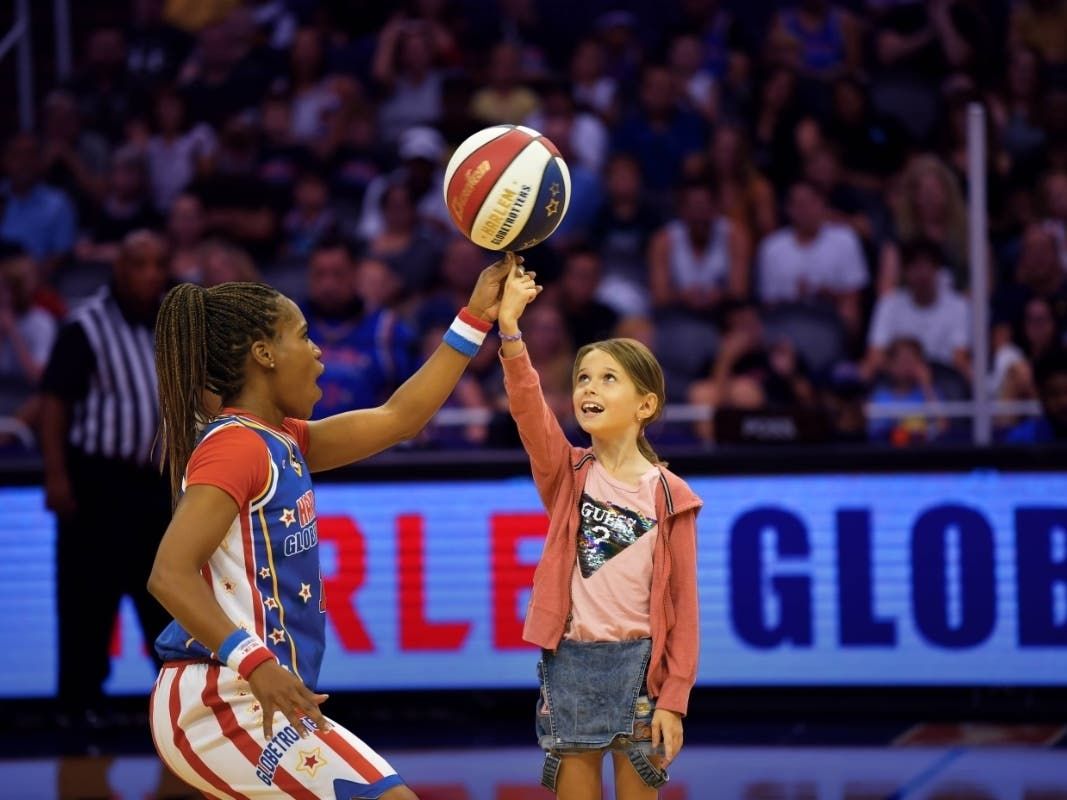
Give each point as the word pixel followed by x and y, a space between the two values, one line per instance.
pixel 99 421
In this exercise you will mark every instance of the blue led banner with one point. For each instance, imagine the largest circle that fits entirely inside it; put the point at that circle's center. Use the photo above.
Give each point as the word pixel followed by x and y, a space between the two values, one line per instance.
pixel 834 579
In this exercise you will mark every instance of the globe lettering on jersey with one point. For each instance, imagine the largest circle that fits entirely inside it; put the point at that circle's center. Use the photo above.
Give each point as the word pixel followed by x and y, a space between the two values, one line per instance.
pixel 507 188
pixel 265 575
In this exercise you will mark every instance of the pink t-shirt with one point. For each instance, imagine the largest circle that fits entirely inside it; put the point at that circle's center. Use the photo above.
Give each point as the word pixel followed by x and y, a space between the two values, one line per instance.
pixel 611 586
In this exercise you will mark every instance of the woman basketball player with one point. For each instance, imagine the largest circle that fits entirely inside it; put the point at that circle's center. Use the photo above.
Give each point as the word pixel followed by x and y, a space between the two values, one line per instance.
pixel 238 567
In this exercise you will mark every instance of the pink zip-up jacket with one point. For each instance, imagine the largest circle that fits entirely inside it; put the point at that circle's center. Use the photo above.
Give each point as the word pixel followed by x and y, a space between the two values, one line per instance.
pixel 559 472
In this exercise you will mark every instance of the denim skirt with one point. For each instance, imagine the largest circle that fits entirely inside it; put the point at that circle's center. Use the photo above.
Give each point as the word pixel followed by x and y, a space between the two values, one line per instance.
pixel 593 695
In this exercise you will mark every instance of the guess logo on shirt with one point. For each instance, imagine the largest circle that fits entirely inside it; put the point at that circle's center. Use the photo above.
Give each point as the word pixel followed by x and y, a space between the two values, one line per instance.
pixel 605 531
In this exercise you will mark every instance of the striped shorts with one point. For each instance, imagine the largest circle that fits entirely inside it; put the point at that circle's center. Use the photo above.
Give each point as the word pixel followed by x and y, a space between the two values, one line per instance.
pixel 208 729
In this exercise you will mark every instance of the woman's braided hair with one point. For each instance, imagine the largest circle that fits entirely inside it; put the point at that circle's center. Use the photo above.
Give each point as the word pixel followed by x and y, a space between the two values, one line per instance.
pixel 203 338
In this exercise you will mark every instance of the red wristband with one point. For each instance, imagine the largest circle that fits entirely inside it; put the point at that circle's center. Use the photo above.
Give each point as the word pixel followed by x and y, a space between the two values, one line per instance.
pixel 254 659
pixel 474 321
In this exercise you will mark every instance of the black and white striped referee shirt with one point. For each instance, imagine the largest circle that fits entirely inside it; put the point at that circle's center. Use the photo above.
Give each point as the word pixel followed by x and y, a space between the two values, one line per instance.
pixel 103 365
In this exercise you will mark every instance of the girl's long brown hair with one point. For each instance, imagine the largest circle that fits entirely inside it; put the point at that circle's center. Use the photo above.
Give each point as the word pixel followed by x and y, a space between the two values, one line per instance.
pixel 203 338
pixel 644 370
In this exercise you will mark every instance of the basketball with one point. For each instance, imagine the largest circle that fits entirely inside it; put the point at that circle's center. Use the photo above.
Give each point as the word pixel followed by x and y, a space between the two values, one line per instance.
pixel 507 188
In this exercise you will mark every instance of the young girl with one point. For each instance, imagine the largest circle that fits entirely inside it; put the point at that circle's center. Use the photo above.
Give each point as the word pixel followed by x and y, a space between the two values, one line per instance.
pixel 238 566
pixel 614 603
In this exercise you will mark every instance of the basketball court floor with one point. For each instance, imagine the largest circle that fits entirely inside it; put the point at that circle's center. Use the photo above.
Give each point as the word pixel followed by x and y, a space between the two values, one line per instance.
pixel 737 762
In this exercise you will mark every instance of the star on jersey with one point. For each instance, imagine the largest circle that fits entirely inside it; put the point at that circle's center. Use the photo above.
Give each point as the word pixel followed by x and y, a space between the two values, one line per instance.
pixel 264 573
pixel 299 470
pixel 229 586
pixel 288 517
pixel 277 636
pixel 305 592
pixel 271 603
pixel 311 762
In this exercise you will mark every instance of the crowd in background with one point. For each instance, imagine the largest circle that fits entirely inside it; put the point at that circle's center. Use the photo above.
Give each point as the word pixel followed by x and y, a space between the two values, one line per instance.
pixel 772 196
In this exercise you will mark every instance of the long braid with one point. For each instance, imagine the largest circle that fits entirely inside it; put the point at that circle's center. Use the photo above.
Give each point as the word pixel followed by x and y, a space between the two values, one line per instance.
pixel 203 338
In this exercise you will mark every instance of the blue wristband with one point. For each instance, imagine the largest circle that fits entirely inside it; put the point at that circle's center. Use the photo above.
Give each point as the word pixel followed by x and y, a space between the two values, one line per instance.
pixel 230 644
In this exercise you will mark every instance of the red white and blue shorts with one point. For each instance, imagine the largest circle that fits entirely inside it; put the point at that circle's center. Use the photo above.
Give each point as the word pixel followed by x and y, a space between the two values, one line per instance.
pixel 208 729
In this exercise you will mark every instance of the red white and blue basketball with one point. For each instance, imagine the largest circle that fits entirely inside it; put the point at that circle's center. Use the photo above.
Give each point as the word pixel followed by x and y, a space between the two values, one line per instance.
pixel 507 188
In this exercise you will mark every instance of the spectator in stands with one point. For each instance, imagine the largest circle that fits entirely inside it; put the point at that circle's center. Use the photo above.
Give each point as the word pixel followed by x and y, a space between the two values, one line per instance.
pixel 814 259
pixel 700 91
pixel 776 128
pixel 356 160
pixel 925 309
pixel 818 39
pixel 126 207
pixel 1016 112
pixel 504 99
pixel 906 379
pixel 1050 376
pixel 659 133
pixel 223 262
pixel 461 263
pixel 176 152
pixel 860 209
pixel 587 193
pixel 405 243
pixel 99 419
pixel 404 68
pixel 106 96
pixel 239 204
pixel 746 196
pixel 377 286
pixel 1042 26
pixel 623 229
pixel 421 151
pixel 929 205
pixel 750 372
pixel 37 216
pixel 311 219
pixel 586 137
pixel 155 49
pixel 914 41
pixel 74 159
pixel 27 332
pixel 186 225
pixel 587 319
pixel 312 95
pixel 215 84
pixel 700 258
pixel 1029 314
pixel 468 396
pixel 594 89
pixel 1055 201
pixel 871 147
pixel 367 353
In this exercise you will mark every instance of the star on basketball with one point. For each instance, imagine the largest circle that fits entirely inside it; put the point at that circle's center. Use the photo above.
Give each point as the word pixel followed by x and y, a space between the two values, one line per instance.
pixel 554 189
pixel 264 573
pixel 305 592
pixel 288 517
pixel 552 207
pixel 271 603
pixel 277 636
pixel 311 761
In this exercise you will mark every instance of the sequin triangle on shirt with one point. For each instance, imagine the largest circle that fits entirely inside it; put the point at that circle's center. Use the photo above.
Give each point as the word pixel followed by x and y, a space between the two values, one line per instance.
pixel 605 531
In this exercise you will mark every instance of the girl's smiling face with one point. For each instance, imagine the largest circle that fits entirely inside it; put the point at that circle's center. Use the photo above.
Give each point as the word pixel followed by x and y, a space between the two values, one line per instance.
pixel 606 401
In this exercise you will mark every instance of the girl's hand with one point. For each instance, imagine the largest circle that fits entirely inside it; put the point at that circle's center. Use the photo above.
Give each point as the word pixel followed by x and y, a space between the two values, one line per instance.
pixel 667 728
pixel 485 299
pixel 277 689
pixel 519 291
